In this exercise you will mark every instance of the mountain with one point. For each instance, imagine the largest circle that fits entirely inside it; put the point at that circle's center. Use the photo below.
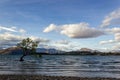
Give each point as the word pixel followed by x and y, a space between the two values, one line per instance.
pixel 115 51
pixel 50 51
pixel 11 50
pixel 86 49
pixel 89 50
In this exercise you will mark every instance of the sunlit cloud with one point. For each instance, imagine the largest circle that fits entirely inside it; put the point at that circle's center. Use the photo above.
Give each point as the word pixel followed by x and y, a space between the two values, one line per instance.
pixel 81 30
pixel 50 28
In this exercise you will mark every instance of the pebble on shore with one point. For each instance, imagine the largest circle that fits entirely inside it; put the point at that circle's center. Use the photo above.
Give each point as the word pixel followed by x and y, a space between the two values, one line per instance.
pixel 41 77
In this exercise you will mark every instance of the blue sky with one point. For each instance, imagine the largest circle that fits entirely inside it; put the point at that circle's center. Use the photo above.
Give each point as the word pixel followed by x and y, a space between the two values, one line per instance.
pixel 31 18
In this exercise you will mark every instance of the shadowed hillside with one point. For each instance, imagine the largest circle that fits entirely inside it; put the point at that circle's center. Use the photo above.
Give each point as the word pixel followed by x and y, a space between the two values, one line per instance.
pixel 11 50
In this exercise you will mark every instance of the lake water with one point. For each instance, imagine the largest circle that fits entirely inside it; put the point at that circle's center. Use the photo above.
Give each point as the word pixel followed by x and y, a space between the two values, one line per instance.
pixel 62 65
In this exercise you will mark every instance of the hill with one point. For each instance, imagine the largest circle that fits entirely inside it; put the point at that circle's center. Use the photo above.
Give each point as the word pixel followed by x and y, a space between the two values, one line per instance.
pixel 11 50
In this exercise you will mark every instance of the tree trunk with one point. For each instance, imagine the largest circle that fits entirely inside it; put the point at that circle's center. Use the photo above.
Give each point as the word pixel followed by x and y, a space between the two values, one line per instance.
pixel 21 58
pixel 24 54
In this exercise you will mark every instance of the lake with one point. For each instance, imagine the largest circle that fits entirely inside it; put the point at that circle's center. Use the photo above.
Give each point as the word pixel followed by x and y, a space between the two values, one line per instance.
pixel 62 65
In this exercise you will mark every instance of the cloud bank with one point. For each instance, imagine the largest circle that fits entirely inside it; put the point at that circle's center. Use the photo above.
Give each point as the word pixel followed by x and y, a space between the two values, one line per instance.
pixel 9 39
pixel 81 30
pixel 10 36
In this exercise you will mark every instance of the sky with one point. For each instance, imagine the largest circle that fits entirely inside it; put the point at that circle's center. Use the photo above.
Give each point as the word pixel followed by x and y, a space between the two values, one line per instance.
pixel 61 24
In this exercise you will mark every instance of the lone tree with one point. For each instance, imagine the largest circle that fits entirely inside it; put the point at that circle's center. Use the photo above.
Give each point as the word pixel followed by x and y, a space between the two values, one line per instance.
pixel 28 46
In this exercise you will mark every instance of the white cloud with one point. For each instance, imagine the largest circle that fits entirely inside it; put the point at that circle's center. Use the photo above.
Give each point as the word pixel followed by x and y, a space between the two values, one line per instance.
pixel 11 29
pixel 117 37
pixel 115 40
pixel 107 42
pixel 116 47
pixel 65 47
pixel 22 31
pixel 81 30
pixel 113 30
pixel 9 36
pixel 8 39
pixel 115 15
pixel 50 28
pixel 64 42
pixel 41 40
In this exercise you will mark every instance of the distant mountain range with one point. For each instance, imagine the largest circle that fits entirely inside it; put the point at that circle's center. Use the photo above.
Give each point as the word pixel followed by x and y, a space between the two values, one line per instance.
pixel 82 51
pixel 49 51
pixel 16 50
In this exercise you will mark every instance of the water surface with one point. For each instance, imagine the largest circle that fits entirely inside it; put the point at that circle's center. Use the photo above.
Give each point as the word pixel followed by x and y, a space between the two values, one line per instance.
pixel 62 65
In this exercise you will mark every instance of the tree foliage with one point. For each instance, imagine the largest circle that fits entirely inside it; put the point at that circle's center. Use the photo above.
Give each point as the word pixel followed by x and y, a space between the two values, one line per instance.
pixel 28 46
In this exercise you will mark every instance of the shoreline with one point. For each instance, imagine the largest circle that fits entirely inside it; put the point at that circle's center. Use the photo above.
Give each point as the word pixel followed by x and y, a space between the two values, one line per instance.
pixel 44 77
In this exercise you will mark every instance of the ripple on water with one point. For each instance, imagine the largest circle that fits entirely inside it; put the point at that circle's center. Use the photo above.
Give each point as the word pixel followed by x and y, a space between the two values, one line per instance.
pixel 62 65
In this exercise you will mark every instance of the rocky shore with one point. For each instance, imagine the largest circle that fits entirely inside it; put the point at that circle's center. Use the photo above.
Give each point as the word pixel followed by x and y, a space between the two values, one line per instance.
pixel 41 77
